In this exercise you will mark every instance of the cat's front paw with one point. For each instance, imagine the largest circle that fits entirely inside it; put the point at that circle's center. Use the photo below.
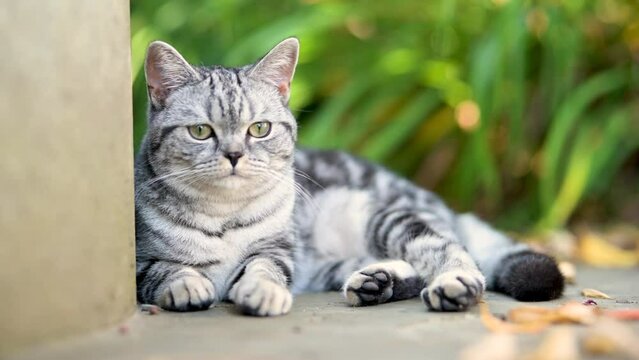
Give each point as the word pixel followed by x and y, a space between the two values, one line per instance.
pixel 188 293
pixel 454 291
pixel 368 287
pixel 260 297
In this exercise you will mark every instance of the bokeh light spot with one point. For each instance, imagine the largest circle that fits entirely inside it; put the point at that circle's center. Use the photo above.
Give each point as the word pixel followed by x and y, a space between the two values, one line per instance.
pixel 467 114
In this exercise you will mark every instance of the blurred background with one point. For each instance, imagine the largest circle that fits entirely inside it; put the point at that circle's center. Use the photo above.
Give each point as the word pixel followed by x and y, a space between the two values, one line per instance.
pixel 525 112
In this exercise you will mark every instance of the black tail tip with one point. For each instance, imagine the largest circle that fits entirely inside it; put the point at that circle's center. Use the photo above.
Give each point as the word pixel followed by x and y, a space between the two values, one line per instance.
pixel 530 276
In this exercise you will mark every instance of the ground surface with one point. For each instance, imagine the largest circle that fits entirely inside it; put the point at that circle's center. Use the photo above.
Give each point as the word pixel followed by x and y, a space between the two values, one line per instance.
pixel 320 326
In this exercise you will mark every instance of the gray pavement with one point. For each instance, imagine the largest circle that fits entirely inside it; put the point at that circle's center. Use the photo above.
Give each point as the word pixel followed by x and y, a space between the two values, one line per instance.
pixel 320 326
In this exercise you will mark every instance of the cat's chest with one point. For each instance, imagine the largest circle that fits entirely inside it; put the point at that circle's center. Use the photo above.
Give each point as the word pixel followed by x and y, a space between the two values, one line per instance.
pixel 197 238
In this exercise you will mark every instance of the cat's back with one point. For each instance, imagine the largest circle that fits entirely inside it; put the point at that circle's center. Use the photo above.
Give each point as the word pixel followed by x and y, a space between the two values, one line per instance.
pixel 318 170
pixel 335 183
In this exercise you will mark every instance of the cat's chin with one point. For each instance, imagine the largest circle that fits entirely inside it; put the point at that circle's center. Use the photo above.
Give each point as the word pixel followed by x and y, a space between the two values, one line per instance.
pixel 233 182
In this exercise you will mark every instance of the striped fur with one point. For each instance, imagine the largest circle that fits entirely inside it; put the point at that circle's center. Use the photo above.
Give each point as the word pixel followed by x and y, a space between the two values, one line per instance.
pixel 304 220
pixel 206 230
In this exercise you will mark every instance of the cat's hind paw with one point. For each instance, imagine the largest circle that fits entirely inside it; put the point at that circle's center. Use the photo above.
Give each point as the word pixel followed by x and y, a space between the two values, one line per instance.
pixel 453 291
pixel 368 288
pixel 187 293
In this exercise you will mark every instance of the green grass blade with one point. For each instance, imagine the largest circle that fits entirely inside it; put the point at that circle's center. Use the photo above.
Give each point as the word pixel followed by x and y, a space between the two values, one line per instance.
pixel 389 138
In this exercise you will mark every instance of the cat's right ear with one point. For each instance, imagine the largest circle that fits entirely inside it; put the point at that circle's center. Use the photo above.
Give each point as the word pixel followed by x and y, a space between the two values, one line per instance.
pixel 165 70
pixel 278 66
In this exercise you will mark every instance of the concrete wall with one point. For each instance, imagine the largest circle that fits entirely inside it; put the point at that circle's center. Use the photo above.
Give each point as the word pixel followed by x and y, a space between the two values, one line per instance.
pixel 66 172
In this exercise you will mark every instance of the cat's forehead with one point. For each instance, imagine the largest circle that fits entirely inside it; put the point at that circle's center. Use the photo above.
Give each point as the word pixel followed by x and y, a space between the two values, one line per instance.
pixel 226 97
pixel 220 76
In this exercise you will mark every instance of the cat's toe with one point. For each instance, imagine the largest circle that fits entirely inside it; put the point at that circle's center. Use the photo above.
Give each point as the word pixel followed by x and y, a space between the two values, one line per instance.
pixel 453 291
pixel 368 288
pixel 261 297
pixel 189 293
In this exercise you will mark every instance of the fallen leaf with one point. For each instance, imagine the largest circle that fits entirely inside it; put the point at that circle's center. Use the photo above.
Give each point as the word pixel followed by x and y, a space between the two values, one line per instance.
pixel 624 236
pixel 595 250
pixel 592 293
pixel 528 314
pixel 570 312
pixel 496 324
pixel 610 337
pixel 625 314
pixel 500 346
pixel 578 313
pixel 559 344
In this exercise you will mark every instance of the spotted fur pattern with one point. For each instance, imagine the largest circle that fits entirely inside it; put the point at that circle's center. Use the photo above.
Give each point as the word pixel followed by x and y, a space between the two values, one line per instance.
pixel 283 220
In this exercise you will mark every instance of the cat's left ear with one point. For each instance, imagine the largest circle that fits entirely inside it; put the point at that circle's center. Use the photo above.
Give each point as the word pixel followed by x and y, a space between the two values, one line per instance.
pixel 165 70
pixel 278 66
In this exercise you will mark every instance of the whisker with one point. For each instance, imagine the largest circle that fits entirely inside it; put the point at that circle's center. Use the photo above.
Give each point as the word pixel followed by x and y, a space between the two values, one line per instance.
pixel 307 177
pixel 182 173
pixel 299 190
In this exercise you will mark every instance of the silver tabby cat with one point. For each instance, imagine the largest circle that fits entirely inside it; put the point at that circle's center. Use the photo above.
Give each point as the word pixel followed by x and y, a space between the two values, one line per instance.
pixel 228 210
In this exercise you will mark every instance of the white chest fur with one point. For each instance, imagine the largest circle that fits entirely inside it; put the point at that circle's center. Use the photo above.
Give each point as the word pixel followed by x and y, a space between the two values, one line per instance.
pixel 340 226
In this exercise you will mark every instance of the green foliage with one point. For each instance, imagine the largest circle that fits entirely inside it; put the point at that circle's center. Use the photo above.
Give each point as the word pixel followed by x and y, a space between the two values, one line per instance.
pixel 518 109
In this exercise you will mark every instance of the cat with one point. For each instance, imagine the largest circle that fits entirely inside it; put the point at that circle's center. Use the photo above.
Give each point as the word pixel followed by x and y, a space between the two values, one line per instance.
pixel 228 209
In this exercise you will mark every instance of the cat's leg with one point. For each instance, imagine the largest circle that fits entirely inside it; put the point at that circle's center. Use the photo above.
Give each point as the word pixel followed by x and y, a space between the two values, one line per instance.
pixel 330 274
pixel 429 243
pixel 510 268
pixel 261 288
pixel 174 287
pixel 365 280
pixel 382 282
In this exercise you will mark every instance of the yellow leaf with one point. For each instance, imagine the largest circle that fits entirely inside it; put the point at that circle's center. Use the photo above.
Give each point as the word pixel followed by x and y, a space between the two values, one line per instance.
pixel 594 250
pixel 559 343
pixel 592 293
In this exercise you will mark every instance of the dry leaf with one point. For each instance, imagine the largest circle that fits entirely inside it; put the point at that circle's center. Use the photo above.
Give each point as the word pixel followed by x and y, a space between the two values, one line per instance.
pixel 609 337
pixel 625 314
pixel 570 312
pixel 559 344
pixel 595 250
pixel 576 312
pixel 592 293
pixel 496 324
pixel 599 345
pixel 568 271
pixel 499 346
pixel 624 236
pixel 532 319
pixel 528 314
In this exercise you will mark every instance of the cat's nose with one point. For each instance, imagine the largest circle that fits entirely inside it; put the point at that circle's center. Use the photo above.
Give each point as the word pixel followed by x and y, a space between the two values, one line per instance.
pixel 233 157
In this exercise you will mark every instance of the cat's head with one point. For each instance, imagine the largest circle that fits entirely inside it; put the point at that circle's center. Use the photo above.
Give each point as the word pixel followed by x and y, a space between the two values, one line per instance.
pixel 220 128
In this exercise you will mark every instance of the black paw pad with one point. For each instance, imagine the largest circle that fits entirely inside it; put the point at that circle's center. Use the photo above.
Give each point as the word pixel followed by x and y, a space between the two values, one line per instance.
pixel 452 292
pixel 371 287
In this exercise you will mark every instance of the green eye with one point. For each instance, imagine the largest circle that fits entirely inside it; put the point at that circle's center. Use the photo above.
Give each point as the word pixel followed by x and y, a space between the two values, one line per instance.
pixel 259 129
pixel 201 132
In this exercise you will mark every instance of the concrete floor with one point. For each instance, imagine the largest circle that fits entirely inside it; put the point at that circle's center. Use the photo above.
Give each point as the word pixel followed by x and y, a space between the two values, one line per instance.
pixel 320 326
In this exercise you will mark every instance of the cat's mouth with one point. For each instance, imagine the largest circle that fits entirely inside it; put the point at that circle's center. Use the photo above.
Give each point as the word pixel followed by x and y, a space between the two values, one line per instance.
pixel 235 173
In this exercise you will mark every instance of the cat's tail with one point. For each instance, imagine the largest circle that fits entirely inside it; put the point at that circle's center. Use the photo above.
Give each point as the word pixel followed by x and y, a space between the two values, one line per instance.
pixel 510 268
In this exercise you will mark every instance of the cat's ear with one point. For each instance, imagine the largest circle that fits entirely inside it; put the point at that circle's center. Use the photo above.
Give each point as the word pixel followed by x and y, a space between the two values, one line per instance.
pixel 278 66
pixel 165 70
